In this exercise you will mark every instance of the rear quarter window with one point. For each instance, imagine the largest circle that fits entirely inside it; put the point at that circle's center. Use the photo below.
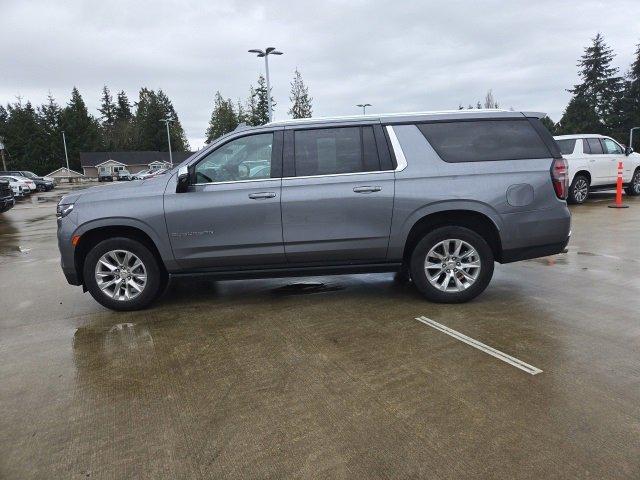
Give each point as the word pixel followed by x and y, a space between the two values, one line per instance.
pixel 485 140
pixel 567 146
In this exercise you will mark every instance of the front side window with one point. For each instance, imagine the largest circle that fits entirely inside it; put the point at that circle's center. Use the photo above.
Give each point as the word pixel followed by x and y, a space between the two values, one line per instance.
pixel 331 151
pixel 611 147
pixel 484 140
pixel 245 158
pixel 594 146
pixel 566 146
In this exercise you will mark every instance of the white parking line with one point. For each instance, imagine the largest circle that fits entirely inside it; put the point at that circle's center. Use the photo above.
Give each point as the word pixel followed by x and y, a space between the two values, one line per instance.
pixel 525 367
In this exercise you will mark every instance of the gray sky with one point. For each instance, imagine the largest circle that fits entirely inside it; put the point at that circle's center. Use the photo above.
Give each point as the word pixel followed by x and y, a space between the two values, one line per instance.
pixel 398 56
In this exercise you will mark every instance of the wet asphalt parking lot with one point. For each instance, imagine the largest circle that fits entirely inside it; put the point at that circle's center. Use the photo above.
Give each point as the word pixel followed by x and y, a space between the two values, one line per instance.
pixel 325 377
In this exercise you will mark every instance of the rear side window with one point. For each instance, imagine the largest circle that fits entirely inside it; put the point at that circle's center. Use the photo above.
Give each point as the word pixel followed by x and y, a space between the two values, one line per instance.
pixel 329 151
pixel 594 146
pixel 485 140
pixel 566 146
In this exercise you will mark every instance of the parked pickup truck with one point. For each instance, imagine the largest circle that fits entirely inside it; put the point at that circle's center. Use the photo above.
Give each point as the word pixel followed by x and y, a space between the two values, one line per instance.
pixel 439 196
pixel 6 196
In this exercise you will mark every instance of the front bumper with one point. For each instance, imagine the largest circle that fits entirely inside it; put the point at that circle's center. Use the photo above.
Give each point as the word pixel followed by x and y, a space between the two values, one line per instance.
pixel 66 228
pixel 7 202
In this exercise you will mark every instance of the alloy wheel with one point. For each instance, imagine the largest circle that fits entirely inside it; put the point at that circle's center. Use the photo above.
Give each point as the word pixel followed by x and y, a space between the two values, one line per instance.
pixel 121 275
pixel 580 190
pixel 635 183
pixel 452 265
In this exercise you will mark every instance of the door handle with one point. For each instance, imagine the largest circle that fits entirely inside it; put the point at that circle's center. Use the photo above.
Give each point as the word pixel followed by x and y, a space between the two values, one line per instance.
pixel 367 189
pixel 262 195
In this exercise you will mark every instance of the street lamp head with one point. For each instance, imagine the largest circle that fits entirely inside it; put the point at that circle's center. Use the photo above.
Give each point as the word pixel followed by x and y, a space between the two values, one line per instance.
pixel 258 51
pixel 276 52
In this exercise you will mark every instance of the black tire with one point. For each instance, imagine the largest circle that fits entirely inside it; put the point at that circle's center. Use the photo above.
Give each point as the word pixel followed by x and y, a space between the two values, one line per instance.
pixel 41 188
pixel 154 272
pixel 430 240
pixel 577 195
pixel 633 189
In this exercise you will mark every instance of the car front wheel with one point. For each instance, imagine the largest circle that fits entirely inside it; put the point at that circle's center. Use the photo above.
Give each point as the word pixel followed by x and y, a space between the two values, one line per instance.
pixel 634 187
pixel 122 274
pixel 452 265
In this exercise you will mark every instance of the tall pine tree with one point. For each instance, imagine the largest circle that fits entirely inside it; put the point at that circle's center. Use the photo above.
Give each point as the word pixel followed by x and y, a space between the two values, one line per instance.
pixel 107 119
pixel 50 116
pixel 598 91
pixel 223 118
pixel 81 129
pixel 300 99
pixel 260 114
pixel 150 130
pixel 23 138
pixel 123 129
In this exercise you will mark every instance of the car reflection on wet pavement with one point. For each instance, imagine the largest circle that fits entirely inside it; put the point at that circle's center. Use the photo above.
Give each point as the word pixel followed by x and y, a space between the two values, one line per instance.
pixel 324 376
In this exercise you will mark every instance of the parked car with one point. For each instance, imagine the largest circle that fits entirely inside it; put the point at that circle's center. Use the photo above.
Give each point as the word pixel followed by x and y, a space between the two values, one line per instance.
pixel 141 174
pixel 27 184
pixel 43 184
pixel 18 187
pixel 439 196
pixel 6 196
pixel 105 176
pixel 122 175
pixel 593 165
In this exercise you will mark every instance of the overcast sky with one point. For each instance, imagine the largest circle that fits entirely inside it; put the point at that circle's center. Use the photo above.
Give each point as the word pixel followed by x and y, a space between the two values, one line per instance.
pixel 396 55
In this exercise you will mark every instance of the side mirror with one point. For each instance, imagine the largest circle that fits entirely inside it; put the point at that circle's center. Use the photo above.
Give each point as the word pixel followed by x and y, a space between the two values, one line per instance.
pixel 628 151
pixel 183 179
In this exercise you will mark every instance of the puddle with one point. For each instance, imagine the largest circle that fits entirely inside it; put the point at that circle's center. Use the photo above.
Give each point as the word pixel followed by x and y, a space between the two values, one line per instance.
pixel 550 261
pixel 305 288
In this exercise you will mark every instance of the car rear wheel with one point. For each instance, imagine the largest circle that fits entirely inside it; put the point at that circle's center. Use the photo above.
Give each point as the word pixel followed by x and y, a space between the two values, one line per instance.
pixel 634 187
pixel 452 265
pixel 579 190
pixel 122 274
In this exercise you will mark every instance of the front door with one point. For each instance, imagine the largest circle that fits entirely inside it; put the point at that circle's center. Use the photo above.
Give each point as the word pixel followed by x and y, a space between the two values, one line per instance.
pixel 230 216
pixel 615 154
pixel 336 200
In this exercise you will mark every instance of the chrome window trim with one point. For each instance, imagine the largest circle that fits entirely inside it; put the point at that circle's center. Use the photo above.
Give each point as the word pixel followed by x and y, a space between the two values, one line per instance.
pixel 338 174
pixel 397 149
pixel 237 181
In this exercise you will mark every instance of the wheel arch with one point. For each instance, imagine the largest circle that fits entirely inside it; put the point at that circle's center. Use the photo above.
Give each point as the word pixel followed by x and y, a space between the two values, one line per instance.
pixel 92 236
pixel 479 222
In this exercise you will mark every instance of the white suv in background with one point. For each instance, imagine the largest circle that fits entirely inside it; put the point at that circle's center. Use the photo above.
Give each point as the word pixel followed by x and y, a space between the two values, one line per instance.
pixel 593 165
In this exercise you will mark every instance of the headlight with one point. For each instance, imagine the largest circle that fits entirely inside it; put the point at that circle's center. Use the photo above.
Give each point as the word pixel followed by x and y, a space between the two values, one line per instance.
pixel 63 210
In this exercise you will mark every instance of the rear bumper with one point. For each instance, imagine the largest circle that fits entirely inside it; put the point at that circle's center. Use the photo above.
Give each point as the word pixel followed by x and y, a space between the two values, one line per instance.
pixel 526 253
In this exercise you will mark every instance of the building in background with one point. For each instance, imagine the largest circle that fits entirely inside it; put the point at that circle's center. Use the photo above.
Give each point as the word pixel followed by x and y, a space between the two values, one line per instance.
pixel 65 175
pixel 110 162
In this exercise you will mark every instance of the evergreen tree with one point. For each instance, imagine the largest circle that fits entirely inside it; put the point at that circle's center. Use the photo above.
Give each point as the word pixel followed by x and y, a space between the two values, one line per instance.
pixel 549 125
pixel 82 129
pixel 252 108
pixel 478 105
pixel 261 113
pixel 490 101
pixel 600 84
pixel 107 119
pixel 223 118
pixel 579 117
pixel 241 113
pixel 300 99
pixel 50 116
pixel 150 130
pixel 123 129
pixel 23 138
pixel 629 105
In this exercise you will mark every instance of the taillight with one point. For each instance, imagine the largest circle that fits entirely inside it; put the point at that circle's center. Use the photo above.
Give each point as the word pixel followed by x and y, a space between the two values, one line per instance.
pixel 560 177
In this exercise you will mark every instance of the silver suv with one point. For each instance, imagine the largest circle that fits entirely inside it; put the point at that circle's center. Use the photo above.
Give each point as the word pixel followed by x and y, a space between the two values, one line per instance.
pixel 438 196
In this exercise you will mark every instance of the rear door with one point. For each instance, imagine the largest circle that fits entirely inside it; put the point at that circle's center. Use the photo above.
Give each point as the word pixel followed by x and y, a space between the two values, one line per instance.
pixel 601 171
pixel 337 195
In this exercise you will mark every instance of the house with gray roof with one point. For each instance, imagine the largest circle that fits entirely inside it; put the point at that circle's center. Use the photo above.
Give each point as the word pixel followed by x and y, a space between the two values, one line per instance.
pixel 109 162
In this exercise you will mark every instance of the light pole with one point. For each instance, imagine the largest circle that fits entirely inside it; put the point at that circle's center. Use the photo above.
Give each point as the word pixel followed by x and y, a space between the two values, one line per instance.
pixel 364 107
pixel 167 121
pixel 631 136
pixel 4 165
pixel 66 155
pixel 268 51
